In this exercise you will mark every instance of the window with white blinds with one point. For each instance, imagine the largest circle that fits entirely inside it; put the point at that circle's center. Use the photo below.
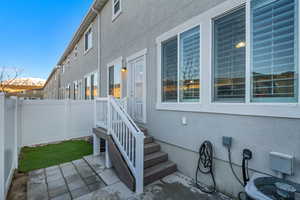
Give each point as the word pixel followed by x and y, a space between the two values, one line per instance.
pixel 189 66
pixel 169 70
pixel 274 50
pixel 181 78
pixel 229 57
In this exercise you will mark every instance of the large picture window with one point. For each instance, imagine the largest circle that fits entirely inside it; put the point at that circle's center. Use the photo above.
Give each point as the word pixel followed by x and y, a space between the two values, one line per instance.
pixel 274 51
pixel 181 78
pixel 230 57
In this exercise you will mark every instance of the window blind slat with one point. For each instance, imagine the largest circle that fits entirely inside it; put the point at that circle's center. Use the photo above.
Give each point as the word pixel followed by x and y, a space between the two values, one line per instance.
pixel 169 71
pixel 229 59
pixel 274 43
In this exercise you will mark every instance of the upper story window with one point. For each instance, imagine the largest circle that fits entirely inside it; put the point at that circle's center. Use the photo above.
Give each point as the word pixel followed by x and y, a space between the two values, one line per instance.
pixel 88 40
pixel 116 8
pixel 180 67
pixel 230 57
pixel 274 74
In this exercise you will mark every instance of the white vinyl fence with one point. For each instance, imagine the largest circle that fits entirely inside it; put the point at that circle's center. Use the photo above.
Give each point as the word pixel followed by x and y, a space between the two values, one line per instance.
pixel 8 142
pixel 45 121
pixel 32 122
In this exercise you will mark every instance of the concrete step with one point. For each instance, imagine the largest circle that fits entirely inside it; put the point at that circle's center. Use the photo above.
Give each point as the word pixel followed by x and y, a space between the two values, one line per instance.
pixel 151 148
pixel 154 159
pixel 159 171
pixel 148 139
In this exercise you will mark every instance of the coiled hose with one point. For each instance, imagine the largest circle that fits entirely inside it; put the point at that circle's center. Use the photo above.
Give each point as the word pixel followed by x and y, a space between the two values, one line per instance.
pixel 205 165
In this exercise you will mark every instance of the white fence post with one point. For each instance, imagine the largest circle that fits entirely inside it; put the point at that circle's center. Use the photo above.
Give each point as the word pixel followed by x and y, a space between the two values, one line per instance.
pixel 16 160
pixel 139 179
pixel 109 126
pixel 2 129
pixel 96 140
pixel 67 116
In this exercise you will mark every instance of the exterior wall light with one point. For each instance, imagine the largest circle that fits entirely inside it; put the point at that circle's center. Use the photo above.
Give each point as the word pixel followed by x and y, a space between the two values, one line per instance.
pixel 124 69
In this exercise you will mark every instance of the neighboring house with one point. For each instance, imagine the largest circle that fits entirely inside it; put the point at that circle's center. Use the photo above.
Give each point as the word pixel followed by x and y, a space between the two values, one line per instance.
pixel 52 85
pixel 196 71
pixel 29 88
pixel 79 63
pixel 32 94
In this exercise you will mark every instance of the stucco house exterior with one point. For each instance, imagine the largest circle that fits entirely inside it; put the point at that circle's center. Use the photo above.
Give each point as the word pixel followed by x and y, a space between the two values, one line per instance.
pixel 195 71
pixel 52 85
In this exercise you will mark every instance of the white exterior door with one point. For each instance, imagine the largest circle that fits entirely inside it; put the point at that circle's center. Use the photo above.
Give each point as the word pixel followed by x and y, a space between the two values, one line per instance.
pixel 137 88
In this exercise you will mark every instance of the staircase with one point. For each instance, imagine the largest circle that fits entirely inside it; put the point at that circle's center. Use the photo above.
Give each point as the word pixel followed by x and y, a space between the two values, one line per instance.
pixel 137 159
pixel 156 163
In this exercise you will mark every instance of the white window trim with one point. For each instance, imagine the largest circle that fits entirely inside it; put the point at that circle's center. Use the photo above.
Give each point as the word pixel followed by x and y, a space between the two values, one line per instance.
pixel 87 30
pixel 88 76
pixel 113 63
pixel 142 53
pixel 79 82
pixel 75 96
pixel 248 108
pixel 176 33
pixel 69 91
pixel 115 15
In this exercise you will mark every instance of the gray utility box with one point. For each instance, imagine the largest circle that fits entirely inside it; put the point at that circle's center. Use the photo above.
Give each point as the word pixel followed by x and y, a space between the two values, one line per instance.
pixel 282 163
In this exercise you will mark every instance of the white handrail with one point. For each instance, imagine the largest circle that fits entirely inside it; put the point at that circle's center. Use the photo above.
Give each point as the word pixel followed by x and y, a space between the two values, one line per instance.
pixel 129 139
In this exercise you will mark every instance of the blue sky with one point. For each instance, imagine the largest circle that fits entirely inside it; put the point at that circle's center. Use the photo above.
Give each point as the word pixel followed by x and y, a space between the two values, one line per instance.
pixel 35 33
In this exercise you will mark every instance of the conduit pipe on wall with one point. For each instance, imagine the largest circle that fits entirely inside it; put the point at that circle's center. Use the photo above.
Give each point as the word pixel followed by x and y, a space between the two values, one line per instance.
pixel 98 46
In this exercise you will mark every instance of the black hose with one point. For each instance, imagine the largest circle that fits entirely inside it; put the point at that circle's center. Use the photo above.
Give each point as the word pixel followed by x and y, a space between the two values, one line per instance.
pixel 205 165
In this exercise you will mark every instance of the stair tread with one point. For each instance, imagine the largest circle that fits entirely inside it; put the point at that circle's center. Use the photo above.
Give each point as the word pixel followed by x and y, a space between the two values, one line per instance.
pixel 158 168
pixel 149 145
pixel 148 139
pixel 154 155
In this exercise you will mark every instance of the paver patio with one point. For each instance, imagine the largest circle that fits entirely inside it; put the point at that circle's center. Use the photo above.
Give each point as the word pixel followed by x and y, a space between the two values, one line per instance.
pixel 88 179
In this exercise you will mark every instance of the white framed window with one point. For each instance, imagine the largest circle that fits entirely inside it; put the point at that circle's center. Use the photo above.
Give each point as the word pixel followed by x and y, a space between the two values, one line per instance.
pixel 75 90
pixel 249 60
pixel 116 8
pixel 80 89
pixel 180 67
pixel 68 92
pixel 88 40
pixel 114 77
pixel 87 87
pixel 94 85
pixel 274 51
pixel 229 56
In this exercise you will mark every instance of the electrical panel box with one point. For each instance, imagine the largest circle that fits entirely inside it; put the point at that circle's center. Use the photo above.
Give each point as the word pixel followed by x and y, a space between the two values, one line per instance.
pixel 282 163
pixel 227 141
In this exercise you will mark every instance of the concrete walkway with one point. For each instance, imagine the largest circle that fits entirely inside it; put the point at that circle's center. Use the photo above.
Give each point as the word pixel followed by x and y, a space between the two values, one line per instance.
pixel 88 179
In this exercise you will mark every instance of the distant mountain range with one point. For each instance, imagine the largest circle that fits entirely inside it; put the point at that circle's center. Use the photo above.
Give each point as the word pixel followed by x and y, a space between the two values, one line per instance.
pixel 26 82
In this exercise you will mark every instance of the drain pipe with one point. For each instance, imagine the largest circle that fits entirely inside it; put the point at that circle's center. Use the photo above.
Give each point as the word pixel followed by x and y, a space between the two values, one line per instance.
pixel 98 46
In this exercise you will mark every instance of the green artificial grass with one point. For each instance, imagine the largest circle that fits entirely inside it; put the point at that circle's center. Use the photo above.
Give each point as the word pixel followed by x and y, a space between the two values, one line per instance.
pixel 53 154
